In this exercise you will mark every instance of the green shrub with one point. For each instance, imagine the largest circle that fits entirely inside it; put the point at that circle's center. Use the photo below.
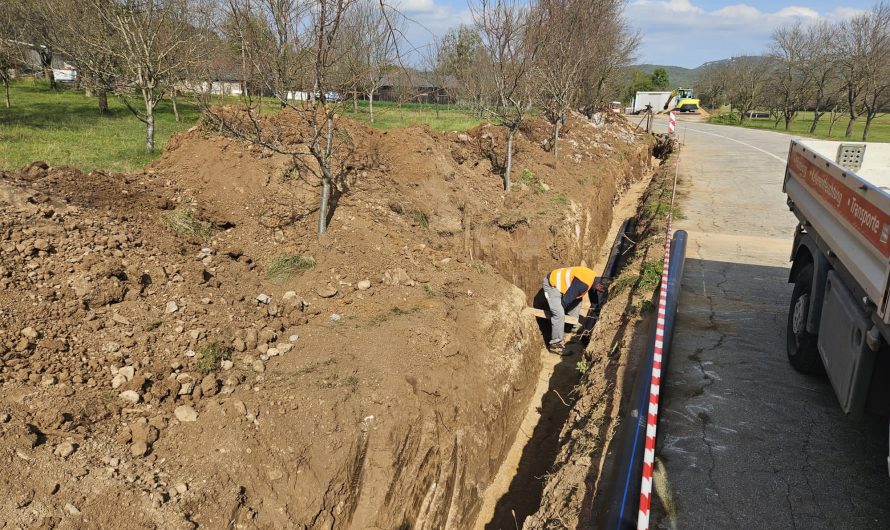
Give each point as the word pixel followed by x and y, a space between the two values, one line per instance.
pixel 211 355
pixel 650 275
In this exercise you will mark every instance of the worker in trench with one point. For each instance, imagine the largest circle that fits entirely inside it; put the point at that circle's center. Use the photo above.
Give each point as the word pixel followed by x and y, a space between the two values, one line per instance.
pixel 565 289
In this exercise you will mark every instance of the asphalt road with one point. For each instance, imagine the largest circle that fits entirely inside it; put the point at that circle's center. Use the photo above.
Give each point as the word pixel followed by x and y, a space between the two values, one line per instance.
pixel 745 441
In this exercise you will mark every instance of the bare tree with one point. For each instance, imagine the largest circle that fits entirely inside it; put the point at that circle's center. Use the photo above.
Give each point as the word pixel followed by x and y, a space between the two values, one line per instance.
pixel 458 56
pixel 37 32
pixel 10 51
pixel 823 65
pixel 76 34
pixel 559 65
pixel 791 76
pixel 855 50
pixel 374 30
pixel 609 53
pixel 747 79
pixel 577 37
pixel 875 28
pixel 147 42
pixel 295 53
pixel 712 85
pixel 510 46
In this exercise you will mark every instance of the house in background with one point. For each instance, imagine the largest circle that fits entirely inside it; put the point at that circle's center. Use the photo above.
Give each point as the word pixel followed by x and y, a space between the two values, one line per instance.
pixel 417 87
pixel 64 70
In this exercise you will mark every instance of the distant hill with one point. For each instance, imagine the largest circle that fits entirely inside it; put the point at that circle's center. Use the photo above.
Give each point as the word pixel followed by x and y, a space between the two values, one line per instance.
pixel 680 77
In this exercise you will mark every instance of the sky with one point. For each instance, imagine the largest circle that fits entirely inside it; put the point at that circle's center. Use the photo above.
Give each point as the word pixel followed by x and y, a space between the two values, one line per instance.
pixel 674 32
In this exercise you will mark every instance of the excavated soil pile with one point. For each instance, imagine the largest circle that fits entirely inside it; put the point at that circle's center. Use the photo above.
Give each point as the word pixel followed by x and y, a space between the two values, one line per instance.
pixel 178 348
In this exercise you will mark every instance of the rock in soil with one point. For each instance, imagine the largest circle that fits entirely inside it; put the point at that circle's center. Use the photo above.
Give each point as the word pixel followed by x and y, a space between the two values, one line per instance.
pixel 185 413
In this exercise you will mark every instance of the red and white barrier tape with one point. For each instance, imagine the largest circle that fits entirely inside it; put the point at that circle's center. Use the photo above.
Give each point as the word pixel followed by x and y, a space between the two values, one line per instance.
pixel 655 384
pixel 654 391
pixel 672 123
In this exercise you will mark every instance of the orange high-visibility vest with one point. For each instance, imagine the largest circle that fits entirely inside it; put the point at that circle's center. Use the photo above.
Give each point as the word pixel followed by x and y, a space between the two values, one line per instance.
pixel 562 278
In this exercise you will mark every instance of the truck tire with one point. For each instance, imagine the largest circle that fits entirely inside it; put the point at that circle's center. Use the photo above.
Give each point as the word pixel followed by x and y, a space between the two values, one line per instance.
pixel 802 350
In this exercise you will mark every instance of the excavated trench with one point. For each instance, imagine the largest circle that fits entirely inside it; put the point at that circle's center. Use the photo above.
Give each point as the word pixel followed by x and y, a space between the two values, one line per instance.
pixel 428 403
pixel 517 489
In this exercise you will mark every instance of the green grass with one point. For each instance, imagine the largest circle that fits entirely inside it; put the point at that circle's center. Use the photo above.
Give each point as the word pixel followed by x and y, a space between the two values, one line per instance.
pixel 880 127
pixel 65 128
pixel 286 266
pixel 560 199
pixel 528 178
pixel 392 116
pixel 648 278
pixel 660 209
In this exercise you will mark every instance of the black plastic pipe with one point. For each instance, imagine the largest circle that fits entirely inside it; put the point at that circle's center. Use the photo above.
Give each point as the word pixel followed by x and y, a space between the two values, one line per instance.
pixel 618 502
pixel 609 272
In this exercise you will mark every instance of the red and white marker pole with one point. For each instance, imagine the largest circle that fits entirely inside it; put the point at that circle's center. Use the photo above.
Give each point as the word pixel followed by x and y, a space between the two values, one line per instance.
pixel 672 123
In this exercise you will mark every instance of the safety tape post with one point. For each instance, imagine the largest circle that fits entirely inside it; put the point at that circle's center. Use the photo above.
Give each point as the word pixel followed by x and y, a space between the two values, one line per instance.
pixel 657 363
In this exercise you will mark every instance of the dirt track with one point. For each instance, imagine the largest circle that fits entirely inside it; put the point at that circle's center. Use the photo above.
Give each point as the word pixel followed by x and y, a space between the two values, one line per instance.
pixel 173 376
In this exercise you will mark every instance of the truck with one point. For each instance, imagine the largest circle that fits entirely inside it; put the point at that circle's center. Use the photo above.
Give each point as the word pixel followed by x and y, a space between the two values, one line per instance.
pixel 839 316
pixel 657 100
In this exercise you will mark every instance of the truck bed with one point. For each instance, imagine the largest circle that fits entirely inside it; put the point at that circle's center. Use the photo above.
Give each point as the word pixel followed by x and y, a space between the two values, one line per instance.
pixel 842 196
pixel 875 168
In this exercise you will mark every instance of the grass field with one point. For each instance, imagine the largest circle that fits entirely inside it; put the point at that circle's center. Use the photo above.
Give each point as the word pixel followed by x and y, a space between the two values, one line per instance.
pixel 391 116
pixel 65 127
pixel 880 127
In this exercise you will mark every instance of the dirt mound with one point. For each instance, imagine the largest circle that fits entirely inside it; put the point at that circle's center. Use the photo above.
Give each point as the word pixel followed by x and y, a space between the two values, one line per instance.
pixel 180 343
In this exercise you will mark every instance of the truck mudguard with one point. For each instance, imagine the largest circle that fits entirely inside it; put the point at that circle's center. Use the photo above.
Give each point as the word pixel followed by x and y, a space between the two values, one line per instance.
pixel 805 251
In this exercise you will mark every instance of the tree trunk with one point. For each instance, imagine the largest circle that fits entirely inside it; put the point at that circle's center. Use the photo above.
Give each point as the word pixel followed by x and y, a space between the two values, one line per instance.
pixel 850 124
pixel 371 104
pixel 323 207
pixel 46 61
pixel 6 91
pixel 175 108
pixel 102 96
pixel 509 166
pixel 150 132
pixel 556 127
pixel 355 101
pixel 868 118
pixel 816 117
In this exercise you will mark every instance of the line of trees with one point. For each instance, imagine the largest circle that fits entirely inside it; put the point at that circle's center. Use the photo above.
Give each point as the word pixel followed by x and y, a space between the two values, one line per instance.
pixel 835 68
pixel 313 57
pixel 552 55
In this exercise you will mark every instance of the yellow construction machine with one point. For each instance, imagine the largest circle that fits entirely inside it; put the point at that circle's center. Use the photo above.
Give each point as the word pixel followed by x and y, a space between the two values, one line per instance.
pixel 682 100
